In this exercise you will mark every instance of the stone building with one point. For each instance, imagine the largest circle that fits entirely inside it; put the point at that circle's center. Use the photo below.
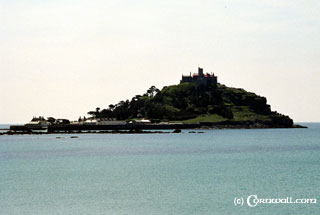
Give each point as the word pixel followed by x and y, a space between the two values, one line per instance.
pixel 200 78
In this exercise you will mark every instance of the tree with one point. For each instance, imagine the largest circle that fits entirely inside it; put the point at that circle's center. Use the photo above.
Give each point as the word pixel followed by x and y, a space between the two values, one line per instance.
pixel 152 91
pixel 96 113
pixel 111 107
pixel 51 120
pixel 92 113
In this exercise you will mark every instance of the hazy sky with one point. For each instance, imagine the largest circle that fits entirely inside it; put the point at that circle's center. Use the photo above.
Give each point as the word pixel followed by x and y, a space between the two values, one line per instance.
pixel 65 58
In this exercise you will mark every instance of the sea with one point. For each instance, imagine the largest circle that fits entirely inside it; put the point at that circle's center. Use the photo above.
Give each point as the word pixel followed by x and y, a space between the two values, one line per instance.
pixel 227 171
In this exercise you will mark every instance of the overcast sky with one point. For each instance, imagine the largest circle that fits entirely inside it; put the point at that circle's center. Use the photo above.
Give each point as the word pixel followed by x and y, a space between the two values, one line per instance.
pixel 65 58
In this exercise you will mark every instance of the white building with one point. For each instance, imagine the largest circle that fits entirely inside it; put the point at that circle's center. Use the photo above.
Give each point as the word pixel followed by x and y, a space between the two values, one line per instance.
pixel 37 123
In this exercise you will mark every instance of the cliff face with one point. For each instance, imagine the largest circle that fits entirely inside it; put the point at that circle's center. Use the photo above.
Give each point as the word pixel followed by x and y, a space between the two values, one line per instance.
pixel 256 105
pixel 192 103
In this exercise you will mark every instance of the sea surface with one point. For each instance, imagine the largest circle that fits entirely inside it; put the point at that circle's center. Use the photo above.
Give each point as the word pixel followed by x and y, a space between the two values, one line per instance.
pixel 188 173
pixel 4 128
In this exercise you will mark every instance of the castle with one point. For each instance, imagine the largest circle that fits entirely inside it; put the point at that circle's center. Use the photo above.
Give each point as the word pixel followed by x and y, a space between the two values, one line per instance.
pixel 200 78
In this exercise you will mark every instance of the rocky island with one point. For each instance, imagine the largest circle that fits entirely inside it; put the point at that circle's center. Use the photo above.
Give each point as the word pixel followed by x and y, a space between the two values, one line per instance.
pixel 198 101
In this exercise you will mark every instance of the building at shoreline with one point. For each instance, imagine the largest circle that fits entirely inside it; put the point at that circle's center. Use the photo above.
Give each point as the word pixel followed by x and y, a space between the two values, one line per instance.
pixel 37 123
pixel 200 78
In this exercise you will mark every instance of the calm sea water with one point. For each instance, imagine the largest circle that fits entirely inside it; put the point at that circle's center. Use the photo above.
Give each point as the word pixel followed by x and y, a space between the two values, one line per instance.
pixel 6 126
pixel 184 173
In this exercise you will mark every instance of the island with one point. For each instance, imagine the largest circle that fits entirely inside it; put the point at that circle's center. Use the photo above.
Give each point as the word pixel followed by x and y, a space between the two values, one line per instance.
pixel 198 101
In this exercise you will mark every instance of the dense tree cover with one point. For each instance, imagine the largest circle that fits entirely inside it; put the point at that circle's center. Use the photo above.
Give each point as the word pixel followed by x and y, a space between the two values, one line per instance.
pixel 187 101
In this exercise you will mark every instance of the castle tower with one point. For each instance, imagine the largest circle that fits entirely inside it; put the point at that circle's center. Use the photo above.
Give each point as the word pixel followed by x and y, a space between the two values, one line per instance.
pixel 200 72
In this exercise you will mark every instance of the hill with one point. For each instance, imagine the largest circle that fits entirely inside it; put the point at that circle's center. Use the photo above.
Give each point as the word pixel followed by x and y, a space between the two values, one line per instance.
pixel 194 103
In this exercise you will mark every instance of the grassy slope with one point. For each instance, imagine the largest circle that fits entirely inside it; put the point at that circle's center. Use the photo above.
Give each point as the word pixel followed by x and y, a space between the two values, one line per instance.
pixel 205 118
pixel 244 113
pixel 239 115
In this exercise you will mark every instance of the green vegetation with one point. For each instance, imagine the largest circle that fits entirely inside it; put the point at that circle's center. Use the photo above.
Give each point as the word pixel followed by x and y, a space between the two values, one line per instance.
pixel 244 113
pixel 191 103
pixel 205 118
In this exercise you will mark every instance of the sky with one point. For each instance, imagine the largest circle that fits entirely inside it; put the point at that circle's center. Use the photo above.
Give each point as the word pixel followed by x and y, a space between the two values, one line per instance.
pixel 64 58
